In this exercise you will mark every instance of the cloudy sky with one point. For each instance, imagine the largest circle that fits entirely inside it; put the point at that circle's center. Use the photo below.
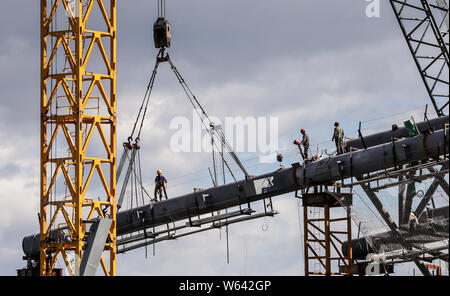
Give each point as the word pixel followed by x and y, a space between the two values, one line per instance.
pixel 308 63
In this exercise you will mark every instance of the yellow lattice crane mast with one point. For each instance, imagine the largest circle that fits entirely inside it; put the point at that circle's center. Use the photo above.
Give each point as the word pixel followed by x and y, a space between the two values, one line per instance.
pixel 69 87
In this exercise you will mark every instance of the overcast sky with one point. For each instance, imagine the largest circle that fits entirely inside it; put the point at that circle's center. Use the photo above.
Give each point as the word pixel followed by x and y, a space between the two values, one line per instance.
pixel 307 62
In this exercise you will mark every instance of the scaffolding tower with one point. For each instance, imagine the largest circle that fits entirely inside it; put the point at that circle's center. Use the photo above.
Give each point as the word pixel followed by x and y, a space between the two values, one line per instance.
pixel 324 233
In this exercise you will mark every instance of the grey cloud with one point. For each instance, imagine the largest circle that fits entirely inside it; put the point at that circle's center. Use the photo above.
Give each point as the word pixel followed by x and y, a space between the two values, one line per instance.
pixel 9 170
pixel 304 61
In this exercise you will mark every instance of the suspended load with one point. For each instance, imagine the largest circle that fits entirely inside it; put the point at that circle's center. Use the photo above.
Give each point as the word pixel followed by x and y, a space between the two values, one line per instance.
pixel 161 33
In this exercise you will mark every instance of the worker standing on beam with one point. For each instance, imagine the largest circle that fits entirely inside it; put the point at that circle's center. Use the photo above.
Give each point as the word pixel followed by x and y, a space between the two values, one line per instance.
pixel 160 186
pixel 304 143
pixel 338 138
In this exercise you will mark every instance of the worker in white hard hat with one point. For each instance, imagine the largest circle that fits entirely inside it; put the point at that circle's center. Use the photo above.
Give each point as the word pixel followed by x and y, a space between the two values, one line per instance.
pixel 160 186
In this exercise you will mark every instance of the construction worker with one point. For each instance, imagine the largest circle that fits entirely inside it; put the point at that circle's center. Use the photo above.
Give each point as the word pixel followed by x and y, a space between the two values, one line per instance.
pixel 160 186
pixel 316 157
pixel 413 221
pixel 305 143
pixel 338 138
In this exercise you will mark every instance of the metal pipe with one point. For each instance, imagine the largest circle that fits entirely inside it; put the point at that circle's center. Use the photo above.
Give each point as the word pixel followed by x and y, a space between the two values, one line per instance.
pixel 325 171
pixel 433 231
pixel 386 136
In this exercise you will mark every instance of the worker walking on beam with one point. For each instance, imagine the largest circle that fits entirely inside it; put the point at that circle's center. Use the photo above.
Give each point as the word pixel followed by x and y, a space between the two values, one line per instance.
pixel 304 143
pixel 160 186
pixel 338 138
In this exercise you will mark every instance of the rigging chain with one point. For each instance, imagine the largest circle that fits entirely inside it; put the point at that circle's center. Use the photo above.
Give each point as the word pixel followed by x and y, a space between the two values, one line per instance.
pixel 146 98
pixel 196 105
pixel 194 102
pixel 211 129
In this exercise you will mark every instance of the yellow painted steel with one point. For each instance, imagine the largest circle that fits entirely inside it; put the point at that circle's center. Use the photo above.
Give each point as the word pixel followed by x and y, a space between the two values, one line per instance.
pixel 75 85
pixel 323 243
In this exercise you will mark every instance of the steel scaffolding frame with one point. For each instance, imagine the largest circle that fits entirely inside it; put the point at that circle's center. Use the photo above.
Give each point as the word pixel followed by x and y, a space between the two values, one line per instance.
pixel 318 232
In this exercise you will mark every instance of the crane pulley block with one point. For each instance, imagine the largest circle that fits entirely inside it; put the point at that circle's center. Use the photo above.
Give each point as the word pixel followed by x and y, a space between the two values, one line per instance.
pixel 161 33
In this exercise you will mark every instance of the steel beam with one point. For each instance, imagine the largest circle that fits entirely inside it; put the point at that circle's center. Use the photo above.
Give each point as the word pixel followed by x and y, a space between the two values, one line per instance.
pixel 98 233
pixel 444 12
pixel 396 235
pixel 218 225
pixel 410 193
pixel 381 210
pixel 322 172
pixel 401 196
pixel 440 179
pixel 427 41
pixel 429 194
pixel 433 231
pixel 395 172
pixel 386 136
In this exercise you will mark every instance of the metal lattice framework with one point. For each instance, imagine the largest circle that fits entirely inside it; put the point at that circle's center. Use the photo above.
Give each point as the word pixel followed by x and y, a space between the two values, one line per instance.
pixel 425 27
pixel 64 217
pixel 325 232
pixel 408 177
pixel 74 128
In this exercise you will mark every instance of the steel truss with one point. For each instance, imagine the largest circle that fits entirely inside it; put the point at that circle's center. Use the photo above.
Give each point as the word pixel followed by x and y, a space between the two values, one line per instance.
pixel 76 85
pixel 334 170
pixel 406 179
pixel 152 236
pixel 425 28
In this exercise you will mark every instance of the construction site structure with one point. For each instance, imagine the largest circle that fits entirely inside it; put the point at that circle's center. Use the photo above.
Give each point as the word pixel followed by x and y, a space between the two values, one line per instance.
pixel 77 213
pixel 87 226
pixel 324 234
pixel 425 25
pixel 322 172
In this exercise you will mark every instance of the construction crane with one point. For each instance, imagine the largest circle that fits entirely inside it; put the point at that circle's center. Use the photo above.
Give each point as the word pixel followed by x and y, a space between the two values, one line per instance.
pixel 323 172
pixel 77 87
pixel 425 25
pixel 78 102
pixel 67 95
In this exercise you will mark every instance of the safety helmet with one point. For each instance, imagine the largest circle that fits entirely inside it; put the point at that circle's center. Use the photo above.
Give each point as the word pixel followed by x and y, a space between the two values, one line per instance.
pixel 336 123
pixel 302 131
pixel 158 171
